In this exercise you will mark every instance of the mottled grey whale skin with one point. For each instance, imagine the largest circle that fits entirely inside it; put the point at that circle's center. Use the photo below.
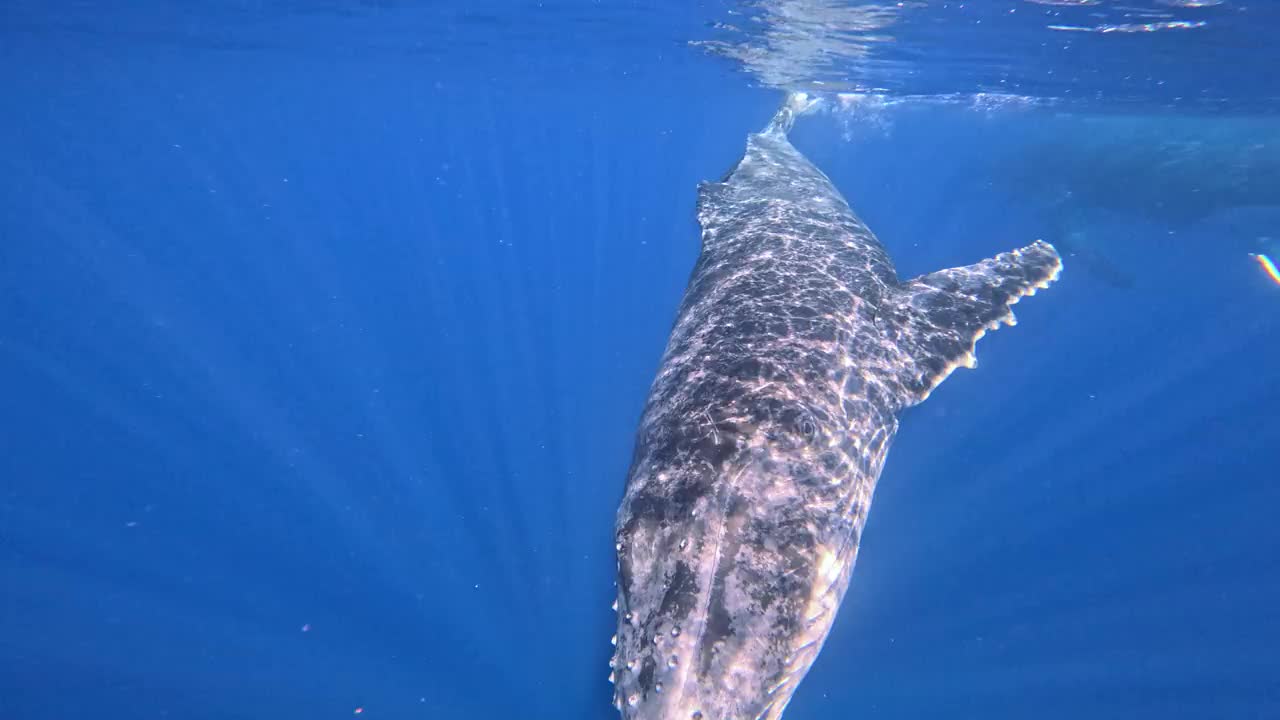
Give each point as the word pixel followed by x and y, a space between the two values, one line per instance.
pixel 794 351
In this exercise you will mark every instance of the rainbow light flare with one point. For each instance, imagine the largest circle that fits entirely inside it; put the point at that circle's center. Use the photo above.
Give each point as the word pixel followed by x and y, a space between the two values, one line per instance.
pixel 1268 266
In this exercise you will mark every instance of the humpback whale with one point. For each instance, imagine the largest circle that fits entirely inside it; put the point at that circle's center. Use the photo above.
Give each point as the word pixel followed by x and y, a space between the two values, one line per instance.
pixel 794 351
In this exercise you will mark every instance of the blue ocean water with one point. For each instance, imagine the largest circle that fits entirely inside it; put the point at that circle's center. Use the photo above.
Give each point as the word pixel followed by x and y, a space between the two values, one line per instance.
pixel 325 328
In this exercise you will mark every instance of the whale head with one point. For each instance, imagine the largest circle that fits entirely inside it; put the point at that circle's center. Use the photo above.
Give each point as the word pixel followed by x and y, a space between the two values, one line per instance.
pixel 732 558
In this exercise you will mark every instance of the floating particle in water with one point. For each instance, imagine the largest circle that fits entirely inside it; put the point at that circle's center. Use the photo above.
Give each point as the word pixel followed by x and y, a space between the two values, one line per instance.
pixel 1268 266
pixel 306 627
pixel 358 711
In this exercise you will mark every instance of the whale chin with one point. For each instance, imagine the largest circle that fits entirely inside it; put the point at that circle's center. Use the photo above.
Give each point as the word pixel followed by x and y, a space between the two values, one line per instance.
pixel 697 706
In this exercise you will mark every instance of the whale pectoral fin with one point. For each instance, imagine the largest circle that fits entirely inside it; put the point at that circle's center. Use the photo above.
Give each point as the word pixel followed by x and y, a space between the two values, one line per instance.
pixel 942 315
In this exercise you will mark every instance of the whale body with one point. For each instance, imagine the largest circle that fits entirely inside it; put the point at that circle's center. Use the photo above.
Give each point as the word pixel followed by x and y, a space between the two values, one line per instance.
pixel 794 351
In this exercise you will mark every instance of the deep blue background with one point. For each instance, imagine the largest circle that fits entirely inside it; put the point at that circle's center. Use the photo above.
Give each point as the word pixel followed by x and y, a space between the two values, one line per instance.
pixel 303 328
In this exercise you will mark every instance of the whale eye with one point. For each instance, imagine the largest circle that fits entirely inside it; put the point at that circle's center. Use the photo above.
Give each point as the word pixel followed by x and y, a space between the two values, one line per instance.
pixel 808 429
pixel 799 421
